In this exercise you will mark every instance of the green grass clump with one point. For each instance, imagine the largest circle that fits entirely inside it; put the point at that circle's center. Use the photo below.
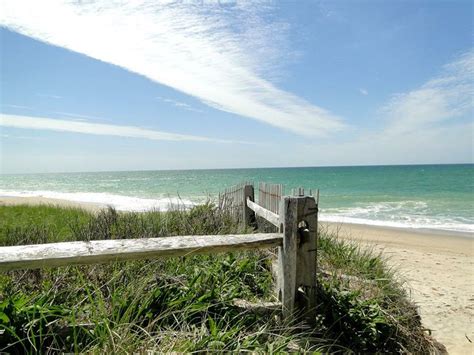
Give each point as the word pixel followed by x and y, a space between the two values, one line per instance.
pixel 22 224
pixel 187 303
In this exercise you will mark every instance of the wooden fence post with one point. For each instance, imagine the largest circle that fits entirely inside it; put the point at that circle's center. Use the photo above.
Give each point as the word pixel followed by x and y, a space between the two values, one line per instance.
pixel 287 254
pixel 297 257
pixel 248 214
pixel 307 255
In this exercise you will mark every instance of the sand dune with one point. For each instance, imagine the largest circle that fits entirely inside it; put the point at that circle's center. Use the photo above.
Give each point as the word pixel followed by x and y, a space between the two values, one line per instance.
pixel 439 272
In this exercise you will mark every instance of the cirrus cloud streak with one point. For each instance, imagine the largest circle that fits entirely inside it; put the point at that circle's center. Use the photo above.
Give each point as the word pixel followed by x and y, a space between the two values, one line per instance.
pixel 220 54
pixel 50 124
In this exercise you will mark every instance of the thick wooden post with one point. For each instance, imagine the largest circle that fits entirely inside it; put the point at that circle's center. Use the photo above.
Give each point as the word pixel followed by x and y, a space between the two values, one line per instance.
pixel 297 257
pixel 287 255
pixel 248 214
pixel 306 255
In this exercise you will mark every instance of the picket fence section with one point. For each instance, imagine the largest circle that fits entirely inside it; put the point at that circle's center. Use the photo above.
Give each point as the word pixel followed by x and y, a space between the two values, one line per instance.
pixel 232 200
pixel 269 196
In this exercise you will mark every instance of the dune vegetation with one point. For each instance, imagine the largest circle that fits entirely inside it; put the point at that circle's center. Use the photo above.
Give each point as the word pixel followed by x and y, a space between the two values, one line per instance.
pixel 189 303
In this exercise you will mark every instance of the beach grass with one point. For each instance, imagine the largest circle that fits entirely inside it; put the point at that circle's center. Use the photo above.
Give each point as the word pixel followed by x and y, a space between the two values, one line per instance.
pixel 188 303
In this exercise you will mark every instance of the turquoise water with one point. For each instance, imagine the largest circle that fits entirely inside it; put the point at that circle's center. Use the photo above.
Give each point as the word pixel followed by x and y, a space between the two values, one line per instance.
pixel 421 196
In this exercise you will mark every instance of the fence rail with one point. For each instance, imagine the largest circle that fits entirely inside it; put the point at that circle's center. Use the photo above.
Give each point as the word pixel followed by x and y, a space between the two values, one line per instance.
pixel 102 251
pixel 295 217
pixel 271 217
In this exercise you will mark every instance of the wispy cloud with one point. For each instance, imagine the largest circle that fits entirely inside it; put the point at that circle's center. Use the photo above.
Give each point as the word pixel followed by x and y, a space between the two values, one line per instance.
pixel 178 104
pixel 16 106
pixel 49 124
pixel 49 96
pixel 443 98
pixel 80 117
pixel 20 137
pixel 429 124
pixel 363 92
pixel 222 54
pixel 75 116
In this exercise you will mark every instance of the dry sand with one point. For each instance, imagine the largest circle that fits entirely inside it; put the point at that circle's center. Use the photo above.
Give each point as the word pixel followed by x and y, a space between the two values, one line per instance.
pixel 438 269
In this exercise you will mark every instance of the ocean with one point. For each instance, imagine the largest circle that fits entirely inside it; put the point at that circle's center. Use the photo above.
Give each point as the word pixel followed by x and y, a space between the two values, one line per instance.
pixel 438 197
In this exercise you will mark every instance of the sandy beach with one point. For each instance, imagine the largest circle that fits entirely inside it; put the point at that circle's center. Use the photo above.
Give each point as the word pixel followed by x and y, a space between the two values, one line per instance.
pixel 437 268
pixel 438 271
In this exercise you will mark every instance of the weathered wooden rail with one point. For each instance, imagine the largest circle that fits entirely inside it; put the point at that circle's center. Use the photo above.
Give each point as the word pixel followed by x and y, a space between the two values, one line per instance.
pixel 101 251
pixel 271 217
pixel 296 240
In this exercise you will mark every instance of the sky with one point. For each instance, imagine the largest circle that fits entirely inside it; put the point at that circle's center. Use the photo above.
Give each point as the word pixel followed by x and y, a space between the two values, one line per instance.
pixel 146 85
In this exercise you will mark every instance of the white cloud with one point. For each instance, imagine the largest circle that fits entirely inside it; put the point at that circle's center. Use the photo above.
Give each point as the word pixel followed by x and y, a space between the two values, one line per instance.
pixel 21 137
pixel 79 117
pixel 16 106
pixel 425 125
pixel 50 96
pixel 437 145
pixel 443 98
pixel 49 124
pixel 220 54
pixel 178 104
pixel 363 92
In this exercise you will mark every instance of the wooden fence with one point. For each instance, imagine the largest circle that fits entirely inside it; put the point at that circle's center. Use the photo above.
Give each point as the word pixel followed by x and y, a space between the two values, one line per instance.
pixel 269 196
pixel 296 218
pixel 232 200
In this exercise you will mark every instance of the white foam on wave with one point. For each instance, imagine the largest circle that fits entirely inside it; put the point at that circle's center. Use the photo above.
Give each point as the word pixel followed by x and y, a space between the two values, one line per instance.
pixel 372 214
pixel 411 223
pixel 119 202
pixel 399 214
pixel 381 209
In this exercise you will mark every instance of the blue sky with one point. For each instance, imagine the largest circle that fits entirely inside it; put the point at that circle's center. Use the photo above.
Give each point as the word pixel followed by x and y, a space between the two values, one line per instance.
pixel 182 85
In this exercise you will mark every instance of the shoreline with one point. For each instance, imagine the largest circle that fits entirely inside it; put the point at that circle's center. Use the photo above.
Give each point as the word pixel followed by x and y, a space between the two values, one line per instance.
pixel 417 238
pixel 414 230
pixel 435 266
